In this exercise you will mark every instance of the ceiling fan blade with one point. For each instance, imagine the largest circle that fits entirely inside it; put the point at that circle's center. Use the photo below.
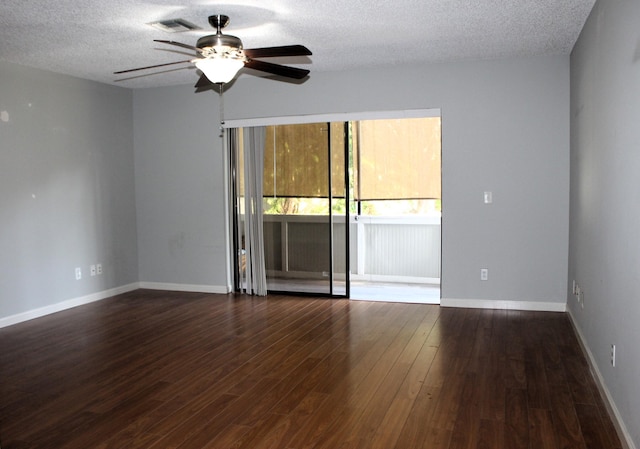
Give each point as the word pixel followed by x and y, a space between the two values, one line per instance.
pixel 151 67
pixel 179 44
pixel 277 69
pixel 270 52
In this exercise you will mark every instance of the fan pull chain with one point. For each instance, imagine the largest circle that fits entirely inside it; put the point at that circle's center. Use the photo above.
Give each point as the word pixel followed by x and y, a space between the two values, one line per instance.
pixel 220 85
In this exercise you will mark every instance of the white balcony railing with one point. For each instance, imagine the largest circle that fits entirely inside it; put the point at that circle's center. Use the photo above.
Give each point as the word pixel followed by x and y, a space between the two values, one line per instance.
pixel 386 249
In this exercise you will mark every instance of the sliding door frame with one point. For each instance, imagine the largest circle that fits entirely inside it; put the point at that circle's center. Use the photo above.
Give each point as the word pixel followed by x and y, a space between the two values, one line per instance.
pixel 231 173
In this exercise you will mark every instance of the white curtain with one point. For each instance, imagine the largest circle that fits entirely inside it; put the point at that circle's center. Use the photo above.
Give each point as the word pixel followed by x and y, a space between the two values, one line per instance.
pixel 256 277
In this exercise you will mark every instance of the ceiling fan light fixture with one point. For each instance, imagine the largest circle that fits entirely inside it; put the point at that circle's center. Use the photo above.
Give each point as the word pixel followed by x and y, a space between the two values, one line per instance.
pixel 219 69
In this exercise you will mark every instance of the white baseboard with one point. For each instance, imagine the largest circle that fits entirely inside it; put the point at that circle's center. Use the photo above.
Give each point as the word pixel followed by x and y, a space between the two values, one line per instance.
pixel 221 289
pixel 64 305
pixel 532 306
pixel 75 302
pixel 618 422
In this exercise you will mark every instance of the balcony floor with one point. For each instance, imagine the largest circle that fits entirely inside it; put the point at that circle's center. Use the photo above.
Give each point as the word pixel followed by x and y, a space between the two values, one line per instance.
pixel 364 290
pixel 395 292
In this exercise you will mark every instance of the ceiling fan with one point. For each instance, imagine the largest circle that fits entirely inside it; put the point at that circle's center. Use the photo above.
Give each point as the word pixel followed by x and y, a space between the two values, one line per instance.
pixel 220 57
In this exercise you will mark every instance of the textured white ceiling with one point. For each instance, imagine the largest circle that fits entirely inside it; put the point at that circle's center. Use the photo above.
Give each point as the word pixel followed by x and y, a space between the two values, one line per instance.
pixel 93 38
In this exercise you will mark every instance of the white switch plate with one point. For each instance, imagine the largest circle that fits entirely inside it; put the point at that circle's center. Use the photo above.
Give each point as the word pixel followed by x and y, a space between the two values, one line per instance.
pixel 78 273
pixel 484 274
pixel 488 197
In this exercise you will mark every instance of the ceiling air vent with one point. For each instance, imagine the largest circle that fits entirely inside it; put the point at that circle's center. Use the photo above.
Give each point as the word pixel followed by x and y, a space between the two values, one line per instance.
pixel 174 25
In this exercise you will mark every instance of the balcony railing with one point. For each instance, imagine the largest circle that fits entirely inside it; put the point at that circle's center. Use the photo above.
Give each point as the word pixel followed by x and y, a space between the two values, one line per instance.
pixel 382 249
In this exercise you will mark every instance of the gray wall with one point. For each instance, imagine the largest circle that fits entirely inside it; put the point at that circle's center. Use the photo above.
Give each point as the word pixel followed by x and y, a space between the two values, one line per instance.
pixel 605 184
pixel 66 188
pixel 179 188
pixel 505 129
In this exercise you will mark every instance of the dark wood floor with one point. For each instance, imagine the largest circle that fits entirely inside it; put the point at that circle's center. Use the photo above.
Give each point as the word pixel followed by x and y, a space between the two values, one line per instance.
pixel 158 370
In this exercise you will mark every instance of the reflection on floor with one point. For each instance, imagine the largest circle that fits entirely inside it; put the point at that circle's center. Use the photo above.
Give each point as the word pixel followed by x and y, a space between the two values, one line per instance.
pixel 362 290
pixel 395 292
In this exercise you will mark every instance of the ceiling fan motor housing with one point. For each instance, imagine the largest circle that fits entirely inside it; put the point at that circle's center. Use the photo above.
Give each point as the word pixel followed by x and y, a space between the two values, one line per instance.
pixel 219 44
pixel 220 40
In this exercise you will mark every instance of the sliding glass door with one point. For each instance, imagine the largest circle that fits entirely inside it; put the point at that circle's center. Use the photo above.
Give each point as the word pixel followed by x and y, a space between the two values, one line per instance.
pixel 346 201
pixel 304 213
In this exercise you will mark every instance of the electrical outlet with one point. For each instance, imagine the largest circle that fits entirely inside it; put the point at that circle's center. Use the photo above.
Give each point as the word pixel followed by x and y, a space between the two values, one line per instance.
pixel 99 268
pixel 577 293
pixel 78 273
pixel 484 274
pixel 92 270
pixel 613 355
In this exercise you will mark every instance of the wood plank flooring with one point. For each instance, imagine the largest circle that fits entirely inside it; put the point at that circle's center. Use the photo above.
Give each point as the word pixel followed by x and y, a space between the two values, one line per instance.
pixel 160 370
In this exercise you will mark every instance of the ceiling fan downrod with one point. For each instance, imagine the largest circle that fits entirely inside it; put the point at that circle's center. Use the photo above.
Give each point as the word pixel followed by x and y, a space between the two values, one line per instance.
pixel 219 21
